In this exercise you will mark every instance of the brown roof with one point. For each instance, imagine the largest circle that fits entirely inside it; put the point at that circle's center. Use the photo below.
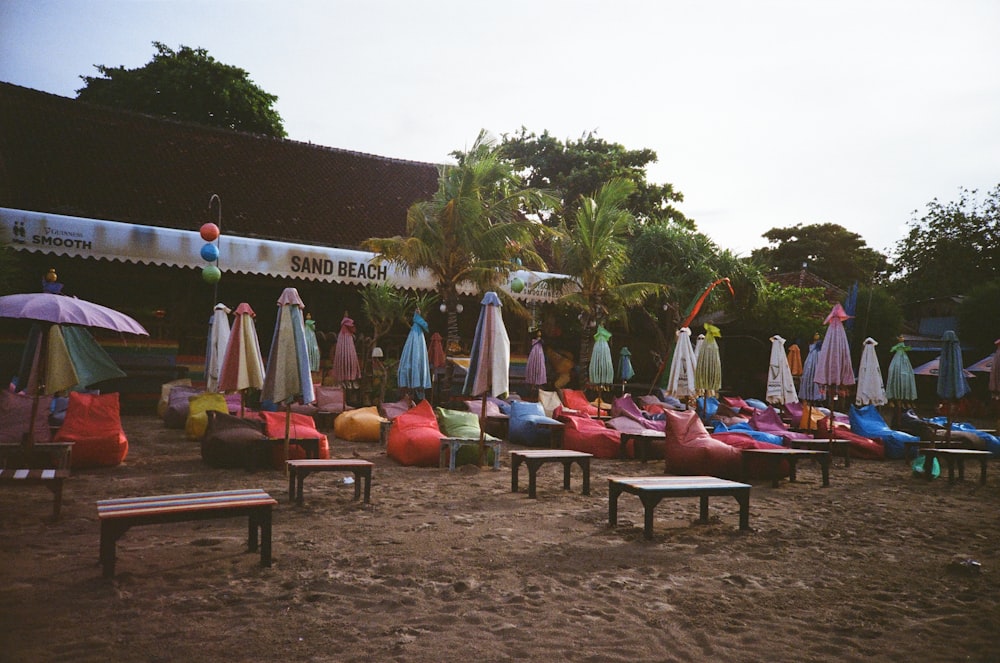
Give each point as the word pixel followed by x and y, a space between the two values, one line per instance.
pixel 806 279
pixel 63 156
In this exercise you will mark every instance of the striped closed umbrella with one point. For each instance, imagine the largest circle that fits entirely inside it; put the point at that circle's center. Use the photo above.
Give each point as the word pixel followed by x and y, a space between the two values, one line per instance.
pixel 489 361
pixel 242 366
pixel 834 373
pixel 535 372
pixel 346 366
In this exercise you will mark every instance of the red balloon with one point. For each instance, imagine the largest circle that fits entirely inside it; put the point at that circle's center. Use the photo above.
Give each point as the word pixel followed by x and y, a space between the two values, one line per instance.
pixel 209 232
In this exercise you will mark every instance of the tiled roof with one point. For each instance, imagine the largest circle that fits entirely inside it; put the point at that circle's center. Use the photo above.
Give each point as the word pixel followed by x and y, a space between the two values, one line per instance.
pixel 806 279
pixel 64 156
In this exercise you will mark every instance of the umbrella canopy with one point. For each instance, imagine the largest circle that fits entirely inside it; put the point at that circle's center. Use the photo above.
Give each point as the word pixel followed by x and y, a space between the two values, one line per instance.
pixel 794 360
pixel 952 383
pixel 780 385
pixel 287 376
pixel 312 344
pixel 218 339
pixel 242 366
pixel 871 389
pixel 63 310
pixel 995 371
pixel 414 363
pixel 489 360
pixel 69 357
pixel 933 369
pixel 901 387
pixel 625 371
pixel 602 368
pixel 346 366
pixel 708 364
pixel 535 372
pixel 833 365
pixel 808 389
pixel 680 382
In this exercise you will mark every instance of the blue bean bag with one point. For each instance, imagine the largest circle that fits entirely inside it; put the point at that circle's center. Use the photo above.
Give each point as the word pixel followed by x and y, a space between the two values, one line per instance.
pixel 868 422
pixel 524 429
pixel 746 429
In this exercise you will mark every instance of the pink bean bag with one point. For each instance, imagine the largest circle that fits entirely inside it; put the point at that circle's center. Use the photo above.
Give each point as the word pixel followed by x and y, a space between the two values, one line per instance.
pixel 590 436
pixel 415 438
pixel 757 468
pixel 690 450
pixel 859 446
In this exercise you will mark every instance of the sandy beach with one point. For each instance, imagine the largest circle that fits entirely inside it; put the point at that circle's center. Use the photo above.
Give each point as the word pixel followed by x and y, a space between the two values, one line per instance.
pixel 453 566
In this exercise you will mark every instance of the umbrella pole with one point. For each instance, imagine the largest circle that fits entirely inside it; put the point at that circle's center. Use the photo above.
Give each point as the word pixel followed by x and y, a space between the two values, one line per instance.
pixel 829 402
pixel 482 432
pixel 29 438
pixel 951 413
pixel 288 431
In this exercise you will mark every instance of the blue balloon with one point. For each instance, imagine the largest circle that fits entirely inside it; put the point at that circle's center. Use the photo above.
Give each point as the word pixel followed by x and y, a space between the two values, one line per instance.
pixel 210 253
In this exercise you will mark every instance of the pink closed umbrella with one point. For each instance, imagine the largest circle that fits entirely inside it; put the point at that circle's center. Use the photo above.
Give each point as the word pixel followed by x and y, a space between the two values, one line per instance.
pixel 242 366
pixel 346 366
pixel 834 373
pixel 535 373
pixel 437 360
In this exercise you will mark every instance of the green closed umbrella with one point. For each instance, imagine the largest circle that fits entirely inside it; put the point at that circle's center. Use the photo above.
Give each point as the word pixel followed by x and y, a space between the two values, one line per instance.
pixel 952 383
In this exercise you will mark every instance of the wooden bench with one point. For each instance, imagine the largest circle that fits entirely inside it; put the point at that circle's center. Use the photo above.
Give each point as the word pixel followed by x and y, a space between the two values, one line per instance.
pixel 451 445
pixel 118 515
pixel 299 469
pixel 535 458
pixel 56 454
pixel 953 457
pixel 642 443
pixel 50 478
pixel 774 457
pixel 835 447
pixel 650 490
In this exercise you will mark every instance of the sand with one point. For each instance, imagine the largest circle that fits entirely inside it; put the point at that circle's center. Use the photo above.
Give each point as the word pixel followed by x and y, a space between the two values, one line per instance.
pixel 453 566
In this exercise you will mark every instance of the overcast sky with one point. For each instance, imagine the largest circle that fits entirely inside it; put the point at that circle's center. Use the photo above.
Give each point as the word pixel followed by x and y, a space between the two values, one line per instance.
pixel 763 113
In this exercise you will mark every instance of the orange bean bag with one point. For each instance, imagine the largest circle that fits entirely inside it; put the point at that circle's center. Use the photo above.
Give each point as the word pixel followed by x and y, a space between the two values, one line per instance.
pixel 415 438
pixel 690 450
pixel 299 426
pixel 94 425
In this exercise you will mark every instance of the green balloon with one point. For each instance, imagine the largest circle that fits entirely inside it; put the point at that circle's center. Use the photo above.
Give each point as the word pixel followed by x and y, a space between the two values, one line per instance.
pixel 517 285
pixel 211 274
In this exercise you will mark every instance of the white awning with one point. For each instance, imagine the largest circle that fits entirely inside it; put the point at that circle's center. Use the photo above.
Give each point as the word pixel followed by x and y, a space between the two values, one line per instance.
pixel 151 245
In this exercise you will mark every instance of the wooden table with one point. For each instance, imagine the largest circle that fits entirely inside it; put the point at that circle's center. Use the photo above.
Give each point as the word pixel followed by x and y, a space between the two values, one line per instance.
pixel 775 456
pixel 651 490
pixel 451 445
pixel 642 442
pixel 953 457
pixel 299 469
pixel 499 425
pixel 535 458
pixel 836 448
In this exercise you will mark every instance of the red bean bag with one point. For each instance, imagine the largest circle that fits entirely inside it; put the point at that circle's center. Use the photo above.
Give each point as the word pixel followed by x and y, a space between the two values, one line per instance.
pixel 575 399
pixel 299 426
pixel 738 405
pixel 690 450
pixel 415 438
pixel 858 446
pixel 94 425
pixel 590 436
pixel 757 468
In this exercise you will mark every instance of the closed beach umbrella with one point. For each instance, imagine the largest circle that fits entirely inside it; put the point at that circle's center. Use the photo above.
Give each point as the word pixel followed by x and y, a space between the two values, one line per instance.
pixel 901 387
pixel 312 345
pixel 794 359
pixel 808 389
pixel 414 371
pixel 952 383
pixel 834 372
pixel 601 370
pixel 346 366
pixel 242 366
pixel 680 382
pixel 780 385
pixel 871 389
pixel 535 372
pixel 489 361
pixel 708 364
pixel 287 377
pixel 218 339
pixel 435 354
pixel 625 370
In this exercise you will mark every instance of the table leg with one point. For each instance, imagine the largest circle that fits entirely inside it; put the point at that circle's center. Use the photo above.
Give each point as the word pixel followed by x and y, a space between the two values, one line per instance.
pixel 982 471
pixel 792 460
pixel 743 498
pixel 585 466
pixel 928 464
pixel 265 536
pixel 357 486
pixel 299 480
pixel 614 490
pixel 623 448
pixel 254 521
pixel 454 456
pixel 703 509
pixel 368 484
pixel 441 454
pixel 515 464
pixel 56 486
pixel 824 466
pixel 567 468
pixel 291 483
pixel 533 466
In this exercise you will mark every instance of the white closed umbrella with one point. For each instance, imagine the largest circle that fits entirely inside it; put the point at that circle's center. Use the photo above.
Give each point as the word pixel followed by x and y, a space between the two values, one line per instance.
pixel 680 382
pixel 780 385
pixel 871 388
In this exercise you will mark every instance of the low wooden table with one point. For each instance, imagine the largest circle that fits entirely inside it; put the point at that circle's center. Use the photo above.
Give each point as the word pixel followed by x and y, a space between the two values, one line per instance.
pixel 499 423
pixel 775 456
pixel 642 443
pixel 953 457
pixel 651 490
pixel 836 448
pixel 451 445
pixel 299 469
pixel 535 458
pixel 50 478
pixel 60 454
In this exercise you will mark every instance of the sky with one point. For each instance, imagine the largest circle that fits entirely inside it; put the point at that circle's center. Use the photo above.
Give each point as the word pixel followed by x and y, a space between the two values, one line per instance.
pixel 763 113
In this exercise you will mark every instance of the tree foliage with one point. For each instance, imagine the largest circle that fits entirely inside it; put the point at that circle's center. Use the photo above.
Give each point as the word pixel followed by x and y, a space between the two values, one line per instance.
pixel 187 85
pixel 951 249
pixel 576 169
pixel 827 249
pixel 979 316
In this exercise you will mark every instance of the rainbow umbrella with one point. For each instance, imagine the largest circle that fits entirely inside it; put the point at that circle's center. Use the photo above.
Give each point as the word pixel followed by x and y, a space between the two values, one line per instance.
pixel 489 361
pixel 242 367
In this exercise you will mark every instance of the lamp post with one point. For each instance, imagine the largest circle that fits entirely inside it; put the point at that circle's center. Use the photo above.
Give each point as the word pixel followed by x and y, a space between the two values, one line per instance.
pixel 212 232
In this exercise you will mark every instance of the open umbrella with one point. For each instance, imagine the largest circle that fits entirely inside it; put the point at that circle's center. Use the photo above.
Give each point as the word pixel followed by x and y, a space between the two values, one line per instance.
pixel 242 367
pixel 871 389
pixel 625 370
pixel 489 361
pixel 535 373
pixel 834 373
pixel 680 382
pixel 46 307
pixel 414 370
pixel 72 358
pixel 602 368
pixel 346 366
pixel 995 371
pixel 933 369
pixel 780 385
pixel 287 377
pixel 952 383
pixel 218 339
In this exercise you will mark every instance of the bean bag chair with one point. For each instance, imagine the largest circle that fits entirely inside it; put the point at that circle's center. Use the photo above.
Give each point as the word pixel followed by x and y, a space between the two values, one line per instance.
pixel 660 403
pixel 299 426
pixel 756 468
pixel 331 399
pixel 15 417
pixel 476 406
pixel 590 436
pixel 456 423
pixel 969 434
pixel 415 438
pixel 575 399
pixel 165 388
pixel 708 407
pixel 756 404
pixel 868 422
pixel 737 405
pixel 360 425
pixel 769 421
pixel 227 438
pixel 690 450
pixel 744 428
pixel 178 405
pixel 94 425
pixel 859 446
pixel 624 406
pixel 392 410
pixel 524 428
pixel 550 402
pixel 198 407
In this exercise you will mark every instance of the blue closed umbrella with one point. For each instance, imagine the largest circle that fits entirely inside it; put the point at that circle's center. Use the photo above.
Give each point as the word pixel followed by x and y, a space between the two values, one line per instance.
pixel 414 363
pixel 625 370
pixel 952 383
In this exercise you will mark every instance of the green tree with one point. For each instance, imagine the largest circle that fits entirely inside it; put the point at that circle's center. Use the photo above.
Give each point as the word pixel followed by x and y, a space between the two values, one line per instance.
pixel 951 248
pixel 593 253
pixel 578 168
pixel 793 312
pixel 979 316
pixel 470 231
pixel 829 251
pixel 187 85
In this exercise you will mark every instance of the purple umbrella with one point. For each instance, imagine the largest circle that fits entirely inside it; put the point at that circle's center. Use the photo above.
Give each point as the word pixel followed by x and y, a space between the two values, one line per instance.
pixel 534 371
pixel 833 365
pixel 346 367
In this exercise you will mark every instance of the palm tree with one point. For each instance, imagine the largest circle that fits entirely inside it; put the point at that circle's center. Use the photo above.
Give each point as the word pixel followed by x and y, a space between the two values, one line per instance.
pixel 470 232
pixel 593 253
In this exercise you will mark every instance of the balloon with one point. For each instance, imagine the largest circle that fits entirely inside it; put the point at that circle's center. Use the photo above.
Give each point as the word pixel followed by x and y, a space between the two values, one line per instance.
pixel 211 274
pixel 209 232
pixel 210 253
pixel 517 285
